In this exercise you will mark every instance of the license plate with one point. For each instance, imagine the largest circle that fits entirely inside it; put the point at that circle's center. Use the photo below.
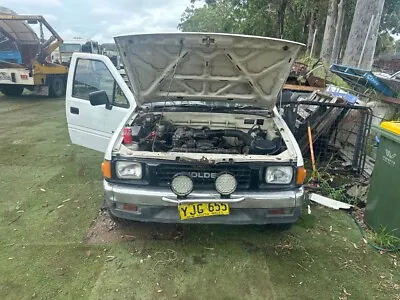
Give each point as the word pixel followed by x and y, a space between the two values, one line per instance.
pixel 198 210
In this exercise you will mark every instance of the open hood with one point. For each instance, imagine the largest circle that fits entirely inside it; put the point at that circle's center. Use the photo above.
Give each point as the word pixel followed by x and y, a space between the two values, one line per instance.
pixel 207 67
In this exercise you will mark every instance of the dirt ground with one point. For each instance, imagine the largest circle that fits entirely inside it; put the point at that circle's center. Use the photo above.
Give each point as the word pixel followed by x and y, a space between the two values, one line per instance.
pixel 57 243
pixel 104 230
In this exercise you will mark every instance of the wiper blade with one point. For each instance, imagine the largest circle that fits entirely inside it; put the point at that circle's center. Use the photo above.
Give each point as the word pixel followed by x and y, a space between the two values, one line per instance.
pixel 248 107
pixel 207 106
pixel 191 105
pixel 176 103
pixel 188 105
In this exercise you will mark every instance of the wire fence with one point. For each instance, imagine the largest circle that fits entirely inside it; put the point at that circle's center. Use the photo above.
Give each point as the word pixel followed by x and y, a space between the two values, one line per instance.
pixel 340 130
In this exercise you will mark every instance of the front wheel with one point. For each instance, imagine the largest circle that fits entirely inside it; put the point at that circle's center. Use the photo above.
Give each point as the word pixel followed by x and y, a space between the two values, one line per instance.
pixel 282 226
pixel 12 90
pixel 57 87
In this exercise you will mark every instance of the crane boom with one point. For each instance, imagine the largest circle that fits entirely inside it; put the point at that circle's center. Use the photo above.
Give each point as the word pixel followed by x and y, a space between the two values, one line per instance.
pixel 34 70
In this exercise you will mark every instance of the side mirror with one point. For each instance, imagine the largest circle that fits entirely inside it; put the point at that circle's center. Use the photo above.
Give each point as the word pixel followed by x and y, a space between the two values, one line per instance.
pixel 99 98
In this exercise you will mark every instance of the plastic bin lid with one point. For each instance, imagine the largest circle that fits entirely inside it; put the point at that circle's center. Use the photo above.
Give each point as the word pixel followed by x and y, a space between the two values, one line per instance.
pixel 393 127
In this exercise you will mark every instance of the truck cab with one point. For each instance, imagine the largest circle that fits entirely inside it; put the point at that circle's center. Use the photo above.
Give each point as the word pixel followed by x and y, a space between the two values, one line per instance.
pixel 67 48
pixel 196 136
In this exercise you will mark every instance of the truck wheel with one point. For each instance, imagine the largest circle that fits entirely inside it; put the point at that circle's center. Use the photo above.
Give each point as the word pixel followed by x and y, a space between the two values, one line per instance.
pixel 57 87
pixel 282 226
pixel 12 90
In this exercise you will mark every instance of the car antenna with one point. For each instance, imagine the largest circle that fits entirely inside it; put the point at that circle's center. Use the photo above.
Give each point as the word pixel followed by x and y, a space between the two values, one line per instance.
pixel 168 91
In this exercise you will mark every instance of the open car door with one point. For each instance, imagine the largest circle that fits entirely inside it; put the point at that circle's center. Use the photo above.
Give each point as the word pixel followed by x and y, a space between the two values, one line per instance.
pixel 97 100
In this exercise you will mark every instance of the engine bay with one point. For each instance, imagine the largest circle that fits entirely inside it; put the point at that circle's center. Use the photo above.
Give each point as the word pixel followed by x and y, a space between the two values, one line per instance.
pixel 169 132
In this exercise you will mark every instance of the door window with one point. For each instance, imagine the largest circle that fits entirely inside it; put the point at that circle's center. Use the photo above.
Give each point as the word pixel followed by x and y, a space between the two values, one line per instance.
pixel 93 75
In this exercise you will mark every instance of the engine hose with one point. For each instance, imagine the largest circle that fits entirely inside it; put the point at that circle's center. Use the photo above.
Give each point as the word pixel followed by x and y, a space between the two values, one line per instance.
pixel 207 134
pixel 159 145
pixel 154 118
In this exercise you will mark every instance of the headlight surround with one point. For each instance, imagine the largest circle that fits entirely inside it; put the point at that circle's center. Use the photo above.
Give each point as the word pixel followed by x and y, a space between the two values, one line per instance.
pixel 128 170
pixel 279 175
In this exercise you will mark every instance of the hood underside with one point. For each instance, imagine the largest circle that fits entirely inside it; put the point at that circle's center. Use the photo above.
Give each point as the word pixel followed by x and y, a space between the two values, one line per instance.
pixel 207 66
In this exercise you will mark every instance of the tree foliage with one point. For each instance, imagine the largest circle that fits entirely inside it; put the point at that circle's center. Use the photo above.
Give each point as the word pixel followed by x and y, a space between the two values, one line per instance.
pixel 391 17
pixel 288 19
pixel 257 17
pixel 221 16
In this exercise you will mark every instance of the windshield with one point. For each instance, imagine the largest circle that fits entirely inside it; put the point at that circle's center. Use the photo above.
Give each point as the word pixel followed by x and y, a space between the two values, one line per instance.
pixel 70 48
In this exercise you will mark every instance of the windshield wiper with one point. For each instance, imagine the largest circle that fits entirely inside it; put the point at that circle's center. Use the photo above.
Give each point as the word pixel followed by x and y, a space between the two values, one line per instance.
pixel 191 105
pixel 205 106
pixel 248 107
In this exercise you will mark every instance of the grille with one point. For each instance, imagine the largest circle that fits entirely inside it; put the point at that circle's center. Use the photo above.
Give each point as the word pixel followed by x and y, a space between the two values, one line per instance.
pixel 164 173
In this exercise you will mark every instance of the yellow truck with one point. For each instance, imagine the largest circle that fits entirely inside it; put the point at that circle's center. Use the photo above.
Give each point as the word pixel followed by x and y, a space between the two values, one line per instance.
pixel 31 68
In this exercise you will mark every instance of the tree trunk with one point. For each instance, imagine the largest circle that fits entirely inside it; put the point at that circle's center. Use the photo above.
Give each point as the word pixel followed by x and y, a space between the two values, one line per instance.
pixel 329 34
pixel 338 33
pixel 311 30
pixel 305 25
pixel 366 10
pixel 281 17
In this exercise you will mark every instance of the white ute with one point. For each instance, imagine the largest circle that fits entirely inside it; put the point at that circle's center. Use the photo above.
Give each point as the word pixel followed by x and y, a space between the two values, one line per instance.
pixel 198 139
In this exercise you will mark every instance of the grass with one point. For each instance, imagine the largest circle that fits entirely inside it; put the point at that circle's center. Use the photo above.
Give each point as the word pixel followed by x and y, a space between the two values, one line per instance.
pixel 333 186
pixel 338 194
pixel 385 238
pixel 50 192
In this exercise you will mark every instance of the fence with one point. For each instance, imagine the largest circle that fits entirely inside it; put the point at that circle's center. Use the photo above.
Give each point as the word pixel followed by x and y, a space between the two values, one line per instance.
pixel 341 131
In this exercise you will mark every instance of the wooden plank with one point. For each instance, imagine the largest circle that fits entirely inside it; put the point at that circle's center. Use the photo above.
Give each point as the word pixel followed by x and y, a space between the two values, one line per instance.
pixel 300 88
pixel 390 100
pixel 328 202
pixel 323 117
pixel 303 142
pixel 330 119
pixel 303 113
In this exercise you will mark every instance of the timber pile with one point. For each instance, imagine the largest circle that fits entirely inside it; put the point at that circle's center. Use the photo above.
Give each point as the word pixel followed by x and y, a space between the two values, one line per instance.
pixel 338 126
pixel 322 118
pixel 302 79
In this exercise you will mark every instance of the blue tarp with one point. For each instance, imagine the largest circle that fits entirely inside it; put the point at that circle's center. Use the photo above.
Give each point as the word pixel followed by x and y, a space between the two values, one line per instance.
pixel 11 56
pixel 348 97
pixel 361 78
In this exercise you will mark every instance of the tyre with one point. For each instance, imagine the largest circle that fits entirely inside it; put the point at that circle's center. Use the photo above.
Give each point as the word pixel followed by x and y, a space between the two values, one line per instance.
pixel 57 87
pixel 283 226
pixel 12 90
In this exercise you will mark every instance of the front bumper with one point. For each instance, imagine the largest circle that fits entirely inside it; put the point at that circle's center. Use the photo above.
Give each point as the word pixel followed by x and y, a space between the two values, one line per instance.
pixel 160 205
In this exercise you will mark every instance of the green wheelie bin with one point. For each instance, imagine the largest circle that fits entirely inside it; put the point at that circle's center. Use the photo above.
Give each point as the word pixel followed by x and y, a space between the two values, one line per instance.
pixel 383 203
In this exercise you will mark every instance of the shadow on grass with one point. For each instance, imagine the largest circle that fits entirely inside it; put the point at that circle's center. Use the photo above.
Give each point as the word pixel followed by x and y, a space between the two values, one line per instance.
pixel 104 230
pixel 30 98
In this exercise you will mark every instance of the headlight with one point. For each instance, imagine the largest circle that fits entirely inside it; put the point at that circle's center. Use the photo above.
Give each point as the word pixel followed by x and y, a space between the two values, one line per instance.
pixel 128 170
pixel 279 175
